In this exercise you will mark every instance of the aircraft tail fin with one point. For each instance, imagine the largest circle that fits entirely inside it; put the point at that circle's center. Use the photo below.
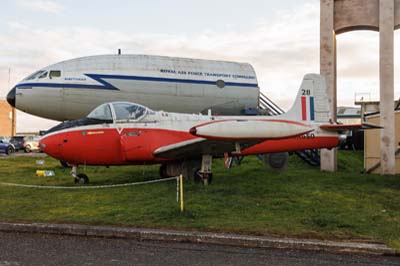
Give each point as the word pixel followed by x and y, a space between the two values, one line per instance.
pixel 311 102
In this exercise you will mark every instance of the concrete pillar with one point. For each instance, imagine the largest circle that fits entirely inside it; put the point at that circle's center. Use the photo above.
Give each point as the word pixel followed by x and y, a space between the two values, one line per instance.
pixel 386 72
pixel 328 69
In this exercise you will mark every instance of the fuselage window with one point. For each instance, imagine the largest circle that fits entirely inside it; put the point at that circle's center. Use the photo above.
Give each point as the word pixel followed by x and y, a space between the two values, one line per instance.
pixel 220 83
pixel 55 74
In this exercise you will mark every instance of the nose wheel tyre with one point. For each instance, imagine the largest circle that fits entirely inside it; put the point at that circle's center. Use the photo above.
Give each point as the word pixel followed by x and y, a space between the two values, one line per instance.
pixel 81 179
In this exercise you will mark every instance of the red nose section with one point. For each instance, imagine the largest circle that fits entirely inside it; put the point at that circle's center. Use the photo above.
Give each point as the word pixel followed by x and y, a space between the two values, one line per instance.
pixel 42 145
pixel 50 146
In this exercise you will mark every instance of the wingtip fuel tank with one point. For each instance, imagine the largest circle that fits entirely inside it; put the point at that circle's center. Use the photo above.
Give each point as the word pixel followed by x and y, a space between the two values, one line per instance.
pixel 242 129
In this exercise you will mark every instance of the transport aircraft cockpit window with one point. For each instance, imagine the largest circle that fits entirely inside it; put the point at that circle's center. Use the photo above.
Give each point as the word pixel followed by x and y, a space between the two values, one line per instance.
pixel 43 75
pixel 103 112
pixel 35 75
pixel 129 111
pixel 55 74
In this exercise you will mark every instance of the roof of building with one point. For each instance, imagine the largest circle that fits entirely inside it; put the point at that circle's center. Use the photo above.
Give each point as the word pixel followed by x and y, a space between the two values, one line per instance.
pixel 348 112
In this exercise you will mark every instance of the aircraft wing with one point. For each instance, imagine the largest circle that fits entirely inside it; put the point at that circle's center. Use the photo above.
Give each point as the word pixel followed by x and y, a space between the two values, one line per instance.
pixel 341 127
pixel 194 148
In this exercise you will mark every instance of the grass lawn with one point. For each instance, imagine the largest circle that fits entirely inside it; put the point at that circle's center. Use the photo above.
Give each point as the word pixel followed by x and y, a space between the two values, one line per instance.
pixel 300 202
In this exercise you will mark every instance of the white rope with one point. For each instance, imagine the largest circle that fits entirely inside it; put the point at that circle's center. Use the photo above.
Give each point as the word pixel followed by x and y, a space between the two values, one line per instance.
pixel 90 187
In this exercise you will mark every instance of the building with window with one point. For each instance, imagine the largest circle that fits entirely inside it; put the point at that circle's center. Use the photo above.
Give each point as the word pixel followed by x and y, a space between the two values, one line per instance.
pixel 6 125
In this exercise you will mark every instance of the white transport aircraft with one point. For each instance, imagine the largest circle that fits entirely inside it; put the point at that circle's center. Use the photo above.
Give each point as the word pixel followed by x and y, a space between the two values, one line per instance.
pixel 71 89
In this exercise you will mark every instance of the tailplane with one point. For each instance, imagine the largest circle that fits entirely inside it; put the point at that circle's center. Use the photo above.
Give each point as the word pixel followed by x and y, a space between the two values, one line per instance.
pixel 311 102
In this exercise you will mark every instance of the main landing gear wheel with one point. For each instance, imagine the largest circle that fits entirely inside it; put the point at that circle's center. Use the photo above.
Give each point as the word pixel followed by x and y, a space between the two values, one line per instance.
pixel 206 178
pixel 81 179
pixel 209 178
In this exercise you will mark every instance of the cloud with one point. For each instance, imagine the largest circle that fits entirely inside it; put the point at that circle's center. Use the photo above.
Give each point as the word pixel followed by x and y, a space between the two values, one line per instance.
pixel 281 49
pixel 47 6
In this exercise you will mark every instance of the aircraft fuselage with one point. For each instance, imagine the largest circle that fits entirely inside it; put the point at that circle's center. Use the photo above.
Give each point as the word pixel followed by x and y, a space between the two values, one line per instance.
pixel 71 89
pixel 124 143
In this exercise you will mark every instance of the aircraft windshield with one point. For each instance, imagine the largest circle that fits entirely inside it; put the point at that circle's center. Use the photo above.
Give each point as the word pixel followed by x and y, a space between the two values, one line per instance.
pixel 35 75
pixel 103 112
pixel 125 111
pixel 122 112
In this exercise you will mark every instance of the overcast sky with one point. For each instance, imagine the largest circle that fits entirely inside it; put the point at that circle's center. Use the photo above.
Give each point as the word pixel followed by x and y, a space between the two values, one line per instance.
pixel 279 38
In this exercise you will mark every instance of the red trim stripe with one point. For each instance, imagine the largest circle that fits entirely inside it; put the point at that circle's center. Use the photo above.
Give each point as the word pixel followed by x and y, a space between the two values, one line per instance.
pixel 303 108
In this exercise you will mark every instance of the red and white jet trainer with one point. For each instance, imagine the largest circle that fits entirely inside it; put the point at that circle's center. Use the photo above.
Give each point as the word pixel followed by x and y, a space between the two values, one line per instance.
pixel 122 133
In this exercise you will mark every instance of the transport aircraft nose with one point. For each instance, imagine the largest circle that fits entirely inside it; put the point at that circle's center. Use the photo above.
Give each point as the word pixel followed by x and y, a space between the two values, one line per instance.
pixel 11 97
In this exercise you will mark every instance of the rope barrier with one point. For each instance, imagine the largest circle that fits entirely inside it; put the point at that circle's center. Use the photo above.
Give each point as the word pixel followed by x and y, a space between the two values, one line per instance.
pixel 91 187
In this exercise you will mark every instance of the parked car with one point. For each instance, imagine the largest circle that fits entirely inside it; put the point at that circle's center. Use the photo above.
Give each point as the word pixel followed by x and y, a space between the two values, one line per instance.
pixel 26 143
pixel 5 139
pixel 6 147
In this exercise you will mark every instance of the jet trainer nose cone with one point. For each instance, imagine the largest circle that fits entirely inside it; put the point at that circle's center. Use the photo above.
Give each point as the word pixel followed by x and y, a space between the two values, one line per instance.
pixel 11 97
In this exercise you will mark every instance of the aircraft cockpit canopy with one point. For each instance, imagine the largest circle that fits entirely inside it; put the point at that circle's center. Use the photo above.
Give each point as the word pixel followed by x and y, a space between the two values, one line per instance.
pixel 120 112
pixel 114 112
pixel 102 112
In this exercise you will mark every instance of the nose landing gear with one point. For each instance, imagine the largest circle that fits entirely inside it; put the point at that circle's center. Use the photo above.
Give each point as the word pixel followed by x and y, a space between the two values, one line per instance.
pixel 79 178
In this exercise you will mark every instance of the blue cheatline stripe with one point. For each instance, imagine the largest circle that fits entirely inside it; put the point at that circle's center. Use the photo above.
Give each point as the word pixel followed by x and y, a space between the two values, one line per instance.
pixel 107 86
pixel 312 108
pixel 62 85
pixel 99 77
